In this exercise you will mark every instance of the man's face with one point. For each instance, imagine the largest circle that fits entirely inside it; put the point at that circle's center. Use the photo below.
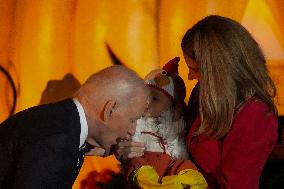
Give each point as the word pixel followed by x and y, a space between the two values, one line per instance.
pixel 122 124
pixel 160 103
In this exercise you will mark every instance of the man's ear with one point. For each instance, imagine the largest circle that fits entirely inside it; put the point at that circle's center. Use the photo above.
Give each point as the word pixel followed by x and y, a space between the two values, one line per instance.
pixel 107 110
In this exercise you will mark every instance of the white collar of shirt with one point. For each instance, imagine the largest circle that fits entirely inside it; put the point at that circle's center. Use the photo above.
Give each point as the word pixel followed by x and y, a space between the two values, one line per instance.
pixel 83 122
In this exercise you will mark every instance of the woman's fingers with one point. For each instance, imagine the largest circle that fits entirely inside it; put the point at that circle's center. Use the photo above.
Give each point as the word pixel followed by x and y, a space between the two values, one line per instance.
pixel 133 155
pixel 129 150
pixel 130 143
pixel 124 157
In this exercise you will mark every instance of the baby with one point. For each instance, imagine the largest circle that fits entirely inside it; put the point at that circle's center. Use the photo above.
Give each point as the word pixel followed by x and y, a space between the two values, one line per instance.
pixel 165 161
pixel 164 129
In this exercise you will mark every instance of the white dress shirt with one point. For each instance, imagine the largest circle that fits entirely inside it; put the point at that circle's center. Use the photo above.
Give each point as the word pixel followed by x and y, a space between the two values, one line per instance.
pixel 83 122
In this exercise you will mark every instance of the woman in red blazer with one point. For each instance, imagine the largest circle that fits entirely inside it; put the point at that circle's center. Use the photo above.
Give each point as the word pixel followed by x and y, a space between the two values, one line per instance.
pixel 232 116
pixel 233 123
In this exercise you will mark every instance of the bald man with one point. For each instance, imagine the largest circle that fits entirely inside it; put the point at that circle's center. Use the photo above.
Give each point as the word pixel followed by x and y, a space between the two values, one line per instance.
pixel 44 146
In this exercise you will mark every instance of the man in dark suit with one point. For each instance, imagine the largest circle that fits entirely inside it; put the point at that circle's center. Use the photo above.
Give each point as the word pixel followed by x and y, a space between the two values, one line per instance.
pixel 44 146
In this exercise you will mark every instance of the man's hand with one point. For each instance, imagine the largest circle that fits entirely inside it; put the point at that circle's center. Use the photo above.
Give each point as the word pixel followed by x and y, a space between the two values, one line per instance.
pixel 95 151
pixel 127 149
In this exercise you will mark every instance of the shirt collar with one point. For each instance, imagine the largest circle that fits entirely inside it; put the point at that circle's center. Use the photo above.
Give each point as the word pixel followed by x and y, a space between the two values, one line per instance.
pixel 83 122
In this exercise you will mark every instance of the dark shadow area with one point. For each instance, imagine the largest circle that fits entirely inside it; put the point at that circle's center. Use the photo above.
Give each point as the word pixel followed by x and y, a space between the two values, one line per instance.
pixel 115 60
pixel 105 179
pixel 57 90
pixel 273 173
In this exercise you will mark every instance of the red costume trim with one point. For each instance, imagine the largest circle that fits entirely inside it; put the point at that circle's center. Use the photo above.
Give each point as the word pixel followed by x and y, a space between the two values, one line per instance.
pixel 162 141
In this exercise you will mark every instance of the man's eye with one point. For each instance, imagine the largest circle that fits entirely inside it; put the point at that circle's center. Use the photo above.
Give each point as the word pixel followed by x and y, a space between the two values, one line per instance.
pixel 155 98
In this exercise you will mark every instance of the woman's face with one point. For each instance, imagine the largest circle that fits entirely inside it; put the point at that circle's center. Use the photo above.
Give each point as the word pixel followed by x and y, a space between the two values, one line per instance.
pixel 193 68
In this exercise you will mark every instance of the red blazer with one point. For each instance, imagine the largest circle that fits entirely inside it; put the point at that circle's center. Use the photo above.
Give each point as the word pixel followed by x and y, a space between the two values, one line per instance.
pixel 236 161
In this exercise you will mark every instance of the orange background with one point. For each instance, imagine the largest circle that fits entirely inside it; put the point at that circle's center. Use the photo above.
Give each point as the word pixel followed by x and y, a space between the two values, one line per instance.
pixel 42 40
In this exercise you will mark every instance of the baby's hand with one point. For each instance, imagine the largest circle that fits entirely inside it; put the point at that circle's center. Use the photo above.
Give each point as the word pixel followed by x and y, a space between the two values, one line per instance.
pixel 127 149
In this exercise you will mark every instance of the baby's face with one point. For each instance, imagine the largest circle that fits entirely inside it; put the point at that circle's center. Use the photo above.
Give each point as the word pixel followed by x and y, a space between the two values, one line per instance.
pixel 160 103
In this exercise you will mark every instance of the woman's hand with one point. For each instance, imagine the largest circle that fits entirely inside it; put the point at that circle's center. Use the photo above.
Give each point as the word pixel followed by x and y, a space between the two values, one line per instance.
pixel 127 149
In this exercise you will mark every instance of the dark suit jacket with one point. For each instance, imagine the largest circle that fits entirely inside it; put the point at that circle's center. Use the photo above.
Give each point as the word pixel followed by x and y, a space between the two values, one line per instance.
pixel 39 147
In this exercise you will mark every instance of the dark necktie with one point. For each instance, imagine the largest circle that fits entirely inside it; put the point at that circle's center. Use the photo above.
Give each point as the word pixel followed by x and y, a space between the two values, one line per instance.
pixel 82 151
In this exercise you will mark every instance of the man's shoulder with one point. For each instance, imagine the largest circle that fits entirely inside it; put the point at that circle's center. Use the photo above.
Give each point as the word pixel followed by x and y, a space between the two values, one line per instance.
pixel 66 105
pixel 58 110
pixel 48 119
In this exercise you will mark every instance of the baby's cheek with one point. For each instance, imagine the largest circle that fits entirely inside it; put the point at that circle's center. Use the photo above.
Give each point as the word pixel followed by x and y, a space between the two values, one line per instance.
pixel 155 111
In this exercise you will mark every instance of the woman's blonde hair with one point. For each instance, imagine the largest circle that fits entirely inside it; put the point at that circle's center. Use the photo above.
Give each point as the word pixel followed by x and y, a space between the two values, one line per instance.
pixel 232 68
